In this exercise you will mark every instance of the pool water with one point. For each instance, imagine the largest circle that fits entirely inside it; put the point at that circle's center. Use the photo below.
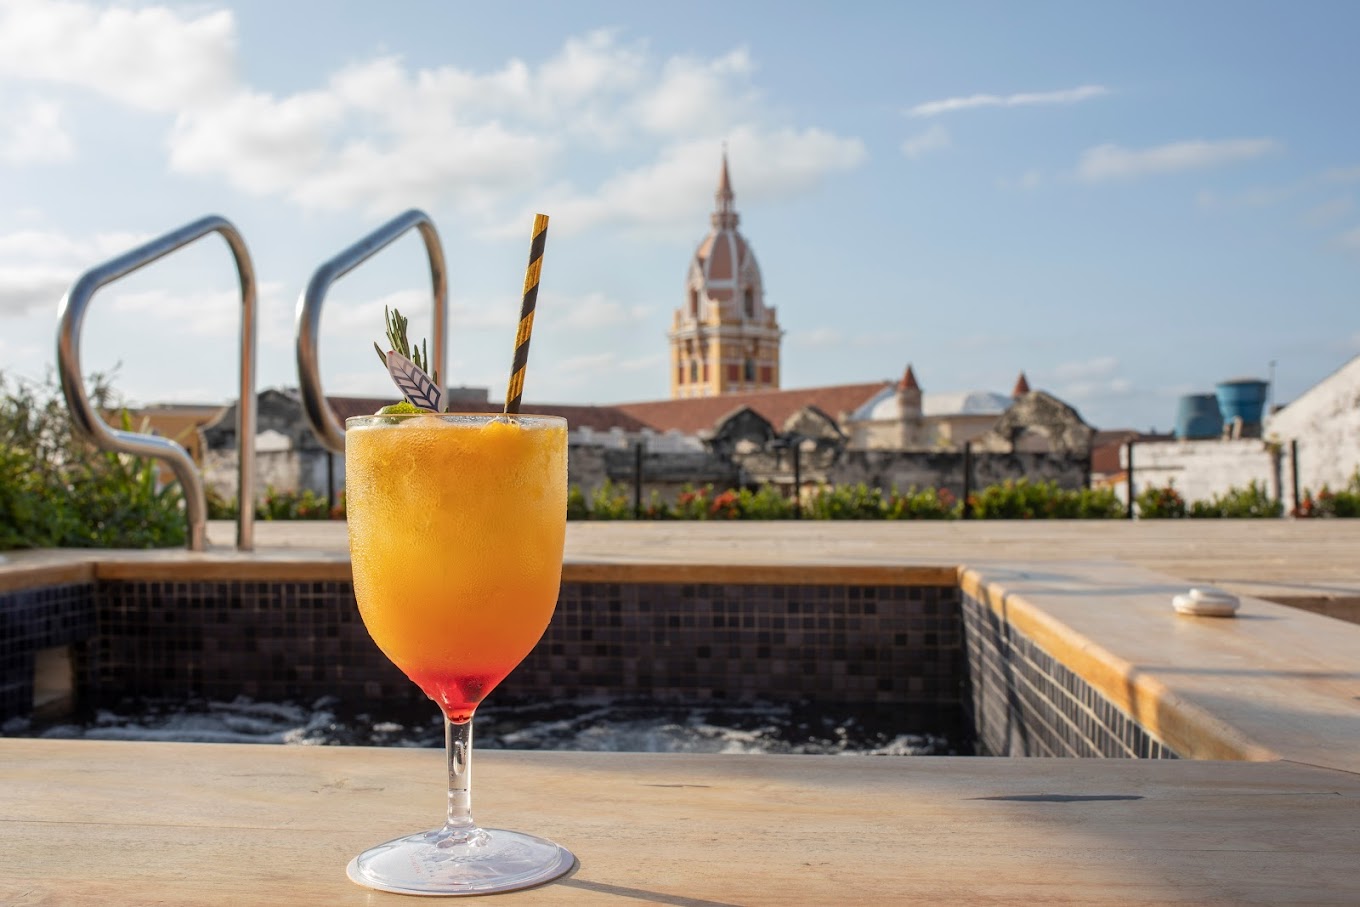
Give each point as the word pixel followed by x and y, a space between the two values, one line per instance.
pixel 582 724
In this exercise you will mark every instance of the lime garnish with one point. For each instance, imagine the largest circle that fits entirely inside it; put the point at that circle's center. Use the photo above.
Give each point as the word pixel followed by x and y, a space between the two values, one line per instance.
pixel 399 409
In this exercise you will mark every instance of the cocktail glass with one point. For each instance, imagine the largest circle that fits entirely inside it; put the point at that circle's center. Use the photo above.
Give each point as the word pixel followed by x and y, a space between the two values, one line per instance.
pixel 456 529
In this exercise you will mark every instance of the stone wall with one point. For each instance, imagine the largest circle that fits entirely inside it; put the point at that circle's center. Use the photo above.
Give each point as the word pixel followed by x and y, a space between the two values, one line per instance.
pixel 1325 421
pixel 667 473
pixel 925 469
pixel 281 470
pixel 1201 470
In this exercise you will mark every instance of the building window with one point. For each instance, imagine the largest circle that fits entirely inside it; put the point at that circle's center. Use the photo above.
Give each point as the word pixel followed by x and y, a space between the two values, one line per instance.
pixel 750 371
pixel 694 371
pixel 750 303
pixel 693 303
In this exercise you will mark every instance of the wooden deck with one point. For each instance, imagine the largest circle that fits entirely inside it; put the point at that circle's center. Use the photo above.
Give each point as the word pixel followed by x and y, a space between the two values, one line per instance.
pixel 98 823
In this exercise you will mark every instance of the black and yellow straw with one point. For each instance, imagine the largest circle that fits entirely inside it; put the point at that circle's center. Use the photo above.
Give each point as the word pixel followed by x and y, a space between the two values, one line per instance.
pixel 515 392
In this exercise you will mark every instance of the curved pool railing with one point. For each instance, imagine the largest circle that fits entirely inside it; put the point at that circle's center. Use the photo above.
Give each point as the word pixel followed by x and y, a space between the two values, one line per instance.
pixel 91 427
pixel 320 416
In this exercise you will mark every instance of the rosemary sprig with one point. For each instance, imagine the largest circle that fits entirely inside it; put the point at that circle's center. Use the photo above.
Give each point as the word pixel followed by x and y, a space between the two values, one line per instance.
pixel 396 336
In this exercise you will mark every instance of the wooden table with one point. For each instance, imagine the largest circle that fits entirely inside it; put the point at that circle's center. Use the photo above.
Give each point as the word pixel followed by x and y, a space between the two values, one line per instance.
pixel 102 823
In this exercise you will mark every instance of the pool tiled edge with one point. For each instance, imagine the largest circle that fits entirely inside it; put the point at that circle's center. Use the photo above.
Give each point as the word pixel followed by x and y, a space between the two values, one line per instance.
pixel 1066 658
pixel 1023 701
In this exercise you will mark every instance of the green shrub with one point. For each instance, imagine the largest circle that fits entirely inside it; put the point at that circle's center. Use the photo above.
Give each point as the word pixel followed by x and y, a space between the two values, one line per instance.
pixel 1021 499
pixel 1160 503
pixel 577 508
pixel 765 503
pixel 1342 503
pixel 59 491
pixel 1015 500
pixel 1098 504
pixel 294 505
pixel 656 508
pixel 929 504
pixel 693 503
pixel 221 507
pixel 846 502
pixel 611 502
pixel 1252 502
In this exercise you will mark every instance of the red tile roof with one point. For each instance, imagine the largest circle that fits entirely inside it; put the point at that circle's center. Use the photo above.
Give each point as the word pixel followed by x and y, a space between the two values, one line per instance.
pixel 702 413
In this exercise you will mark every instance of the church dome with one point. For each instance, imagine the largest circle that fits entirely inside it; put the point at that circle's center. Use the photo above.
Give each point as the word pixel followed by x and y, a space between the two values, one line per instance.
pixel 886 406
pixel 724 266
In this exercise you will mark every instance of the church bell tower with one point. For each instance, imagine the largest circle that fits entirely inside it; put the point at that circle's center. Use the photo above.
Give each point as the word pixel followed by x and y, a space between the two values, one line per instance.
pixel 724 339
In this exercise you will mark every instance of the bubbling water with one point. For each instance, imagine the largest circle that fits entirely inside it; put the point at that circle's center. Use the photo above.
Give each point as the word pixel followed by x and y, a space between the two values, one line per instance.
pixel 596 725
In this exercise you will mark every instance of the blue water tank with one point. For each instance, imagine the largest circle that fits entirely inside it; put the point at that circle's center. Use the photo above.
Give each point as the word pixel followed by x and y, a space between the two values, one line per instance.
pixel 1243 398
pixel 1198 417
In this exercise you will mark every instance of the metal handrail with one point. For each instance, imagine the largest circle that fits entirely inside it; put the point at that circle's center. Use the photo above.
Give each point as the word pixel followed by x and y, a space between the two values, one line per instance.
pixel 320 416
pixel 91 427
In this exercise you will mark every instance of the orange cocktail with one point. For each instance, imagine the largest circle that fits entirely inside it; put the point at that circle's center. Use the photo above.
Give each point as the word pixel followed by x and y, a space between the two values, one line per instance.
pixel 456 528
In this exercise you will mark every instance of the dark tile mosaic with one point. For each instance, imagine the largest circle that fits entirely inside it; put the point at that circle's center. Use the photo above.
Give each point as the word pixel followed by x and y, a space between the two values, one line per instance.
pixel 32 620
pixel 1024 702
pixel 898 647
pixel 929 654
pixel 218 640
pixel 890 645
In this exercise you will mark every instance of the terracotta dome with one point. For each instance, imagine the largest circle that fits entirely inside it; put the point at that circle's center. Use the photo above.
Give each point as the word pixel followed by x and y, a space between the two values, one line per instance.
pixel 885 405
pixel 724 263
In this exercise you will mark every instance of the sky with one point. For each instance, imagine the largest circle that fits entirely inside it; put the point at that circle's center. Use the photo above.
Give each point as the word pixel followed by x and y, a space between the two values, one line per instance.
pixel 1128 201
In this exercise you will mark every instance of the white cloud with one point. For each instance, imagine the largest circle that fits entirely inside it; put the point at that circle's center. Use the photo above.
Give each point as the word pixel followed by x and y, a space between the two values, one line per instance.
pixel 209 314
pixel 936 138
pixel 1342 175
pixel 1027 181
pixel 151 58
pixel 1259 197
pixel 577 370
pixel 262 145
pixel 1099 367
pixel 815 338
pixel 697 96
pixel 677 187
pixel 1107 162
pixel 367 315
pixel 594 311
pixel 379 135
pixel 37 267
pixel 34 134
pixel 1091 380
pixel 1329 212
pixel 1022 99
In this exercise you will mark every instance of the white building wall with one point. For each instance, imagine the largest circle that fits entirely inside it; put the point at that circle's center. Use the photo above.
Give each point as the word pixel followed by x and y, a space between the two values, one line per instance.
pixel 1201 470
pixel 1325 421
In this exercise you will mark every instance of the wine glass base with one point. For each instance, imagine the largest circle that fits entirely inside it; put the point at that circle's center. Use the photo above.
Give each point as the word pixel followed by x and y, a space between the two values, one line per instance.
pixel 429 864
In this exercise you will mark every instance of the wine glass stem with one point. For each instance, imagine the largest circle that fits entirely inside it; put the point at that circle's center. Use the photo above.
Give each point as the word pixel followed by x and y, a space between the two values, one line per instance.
pixel 458 743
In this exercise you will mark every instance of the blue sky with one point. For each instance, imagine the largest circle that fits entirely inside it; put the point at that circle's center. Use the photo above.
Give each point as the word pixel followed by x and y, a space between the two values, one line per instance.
pixel 1128 201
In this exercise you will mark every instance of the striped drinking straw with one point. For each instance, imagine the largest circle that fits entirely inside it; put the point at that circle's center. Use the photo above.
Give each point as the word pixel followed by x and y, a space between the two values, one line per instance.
pixel 515 391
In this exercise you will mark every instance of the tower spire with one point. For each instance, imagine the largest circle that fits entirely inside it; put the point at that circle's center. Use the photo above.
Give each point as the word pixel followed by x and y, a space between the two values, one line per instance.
pixel 724 214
